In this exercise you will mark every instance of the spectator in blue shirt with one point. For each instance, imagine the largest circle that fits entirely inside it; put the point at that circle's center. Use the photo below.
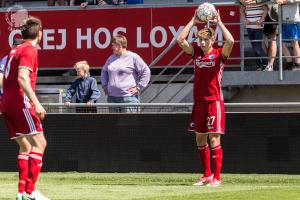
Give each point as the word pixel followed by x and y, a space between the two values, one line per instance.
pixel 84 87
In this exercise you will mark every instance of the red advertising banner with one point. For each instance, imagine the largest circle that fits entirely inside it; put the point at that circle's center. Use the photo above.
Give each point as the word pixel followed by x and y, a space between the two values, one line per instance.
pixel 73 35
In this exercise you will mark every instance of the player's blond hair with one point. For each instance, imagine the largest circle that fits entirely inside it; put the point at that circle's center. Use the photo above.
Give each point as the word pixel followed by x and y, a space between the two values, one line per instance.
pixel 208 33
pixel 82 65
pixel 121 40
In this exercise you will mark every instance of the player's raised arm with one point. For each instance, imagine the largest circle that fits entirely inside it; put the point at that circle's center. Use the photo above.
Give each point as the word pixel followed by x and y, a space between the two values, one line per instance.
pixel 181 39
pixel 229 41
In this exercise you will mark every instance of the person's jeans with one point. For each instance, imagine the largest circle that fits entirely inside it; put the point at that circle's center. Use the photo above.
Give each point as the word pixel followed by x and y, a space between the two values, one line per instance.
pixel 257 34
pixel 129 99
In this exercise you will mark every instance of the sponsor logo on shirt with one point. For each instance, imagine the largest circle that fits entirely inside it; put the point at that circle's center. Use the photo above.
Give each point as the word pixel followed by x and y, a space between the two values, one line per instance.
pixel 211 56
pixel 192 125
pixel 201 64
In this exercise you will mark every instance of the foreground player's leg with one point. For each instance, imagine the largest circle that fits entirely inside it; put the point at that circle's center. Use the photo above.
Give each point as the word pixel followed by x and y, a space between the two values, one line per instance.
pixel 38 143
pixel 23 163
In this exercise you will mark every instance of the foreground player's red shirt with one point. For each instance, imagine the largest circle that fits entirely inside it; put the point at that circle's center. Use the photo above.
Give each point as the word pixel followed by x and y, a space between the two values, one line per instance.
pixel 208 70
pixel 22 56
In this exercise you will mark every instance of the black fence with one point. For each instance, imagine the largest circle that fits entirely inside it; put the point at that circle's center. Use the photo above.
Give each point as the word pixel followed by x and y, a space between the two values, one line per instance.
pixel 253 143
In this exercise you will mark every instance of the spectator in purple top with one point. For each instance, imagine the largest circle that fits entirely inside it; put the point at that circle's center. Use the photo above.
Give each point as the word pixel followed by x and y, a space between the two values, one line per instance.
pixel 124 75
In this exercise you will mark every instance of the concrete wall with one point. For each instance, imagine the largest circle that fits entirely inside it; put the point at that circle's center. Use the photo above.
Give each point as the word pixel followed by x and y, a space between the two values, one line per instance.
pixel 275 93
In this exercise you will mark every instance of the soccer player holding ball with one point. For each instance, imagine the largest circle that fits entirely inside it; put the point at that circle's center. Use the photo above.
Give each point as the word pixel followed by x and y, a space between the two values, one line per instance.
pixel 208 116
pixel 22 110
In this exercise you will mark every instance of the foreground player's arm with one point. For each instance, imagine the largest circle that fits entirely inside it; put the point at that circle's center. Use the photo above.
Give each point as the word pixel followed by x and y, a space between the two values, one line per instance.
pixel 24 82
pixel 229 41
pixel 181 39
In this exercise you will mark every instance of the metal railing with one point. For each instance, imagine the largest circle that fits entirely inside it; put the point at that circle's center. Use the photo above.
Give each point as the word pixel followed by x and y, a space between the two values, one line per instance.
pixel 165 108
pixel 242 57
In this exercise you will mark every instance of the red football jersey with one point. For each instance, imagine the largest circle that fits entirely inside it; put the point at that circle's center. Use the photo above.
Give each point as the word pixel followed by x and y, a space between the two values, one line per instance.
pixel 22 56
pixel 208 70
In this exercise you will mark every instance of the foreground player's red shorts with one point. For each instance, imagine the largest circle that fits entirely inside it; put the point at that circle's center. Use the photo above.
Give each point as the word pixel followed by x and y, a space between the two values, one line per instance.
pixel 208 117
pixel 21 122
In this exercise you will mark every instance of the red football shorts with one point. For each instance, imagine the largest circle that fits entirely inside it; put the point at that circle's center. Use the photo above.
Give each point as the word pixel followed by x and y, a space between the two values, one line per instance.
pixel 208 117
pixel 20 122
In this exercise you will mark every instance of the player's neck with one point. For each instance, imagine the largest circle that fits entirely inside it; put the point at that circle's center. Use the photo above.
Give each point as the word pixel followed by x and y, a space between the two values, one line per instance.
pixel 207 51
pixel 33 42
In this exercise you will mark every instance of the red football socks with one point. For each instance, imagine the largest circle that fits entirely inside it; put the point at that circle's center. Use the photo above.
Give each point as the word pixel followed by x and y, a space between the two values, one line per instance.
pixel 35 165
pixel 217 156
pixel 23 171
pixel 204 154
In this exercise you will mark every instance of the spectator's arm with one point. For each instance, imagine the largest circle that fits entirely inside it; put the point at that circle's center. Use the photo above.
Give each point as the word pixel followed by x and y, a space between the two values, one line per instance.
pixel 84 4
pixel 101 2
pixel 72 2
pixel 292 1
pixel 144 73
pixel 70 92
pixel 95 91
pixel 280 2
pixel 243 13
pixel 104 77
pixel 246 2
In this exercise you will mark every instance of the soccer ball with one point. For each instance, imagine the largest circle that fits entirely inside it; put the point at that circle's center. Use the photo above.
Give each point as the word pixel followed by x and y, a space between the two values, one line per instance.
pixel 206 11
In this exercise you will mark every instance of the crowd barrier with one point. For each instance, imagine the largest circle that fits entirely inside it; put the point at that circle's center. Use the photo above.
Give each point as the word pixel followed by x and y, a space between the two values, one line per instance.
pixel 257 142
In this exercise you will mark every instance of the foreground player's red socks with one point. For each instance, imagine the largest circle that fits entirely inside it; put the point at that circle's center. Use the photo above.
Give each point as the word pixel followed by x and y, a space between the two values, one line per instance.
pixel 23 171
pixel 204 154
pixel 35 165
pixel 217 156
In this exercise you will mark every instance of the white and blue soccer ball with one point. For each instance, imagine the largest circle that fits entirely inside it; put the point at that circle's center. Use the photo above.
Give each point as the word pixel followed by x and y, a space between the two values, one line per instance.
pixel 206 11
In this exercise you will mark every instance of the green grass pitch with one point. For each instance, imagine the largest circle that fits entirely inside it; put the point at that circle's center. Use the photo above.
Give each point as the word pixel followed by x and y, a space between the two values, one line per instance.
pixel 157 186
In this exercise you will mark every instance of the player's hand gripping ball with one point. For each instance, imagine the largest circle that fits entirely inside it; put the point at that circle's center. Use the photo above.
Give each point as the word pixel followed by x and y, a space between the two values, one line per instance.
pixel 206 11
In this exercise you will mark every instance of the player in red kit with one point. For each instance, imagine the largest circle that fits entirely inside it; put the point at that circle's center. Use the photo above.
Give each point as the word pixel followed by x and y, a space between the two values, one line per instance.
pixel 208 117
pixel 22 110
